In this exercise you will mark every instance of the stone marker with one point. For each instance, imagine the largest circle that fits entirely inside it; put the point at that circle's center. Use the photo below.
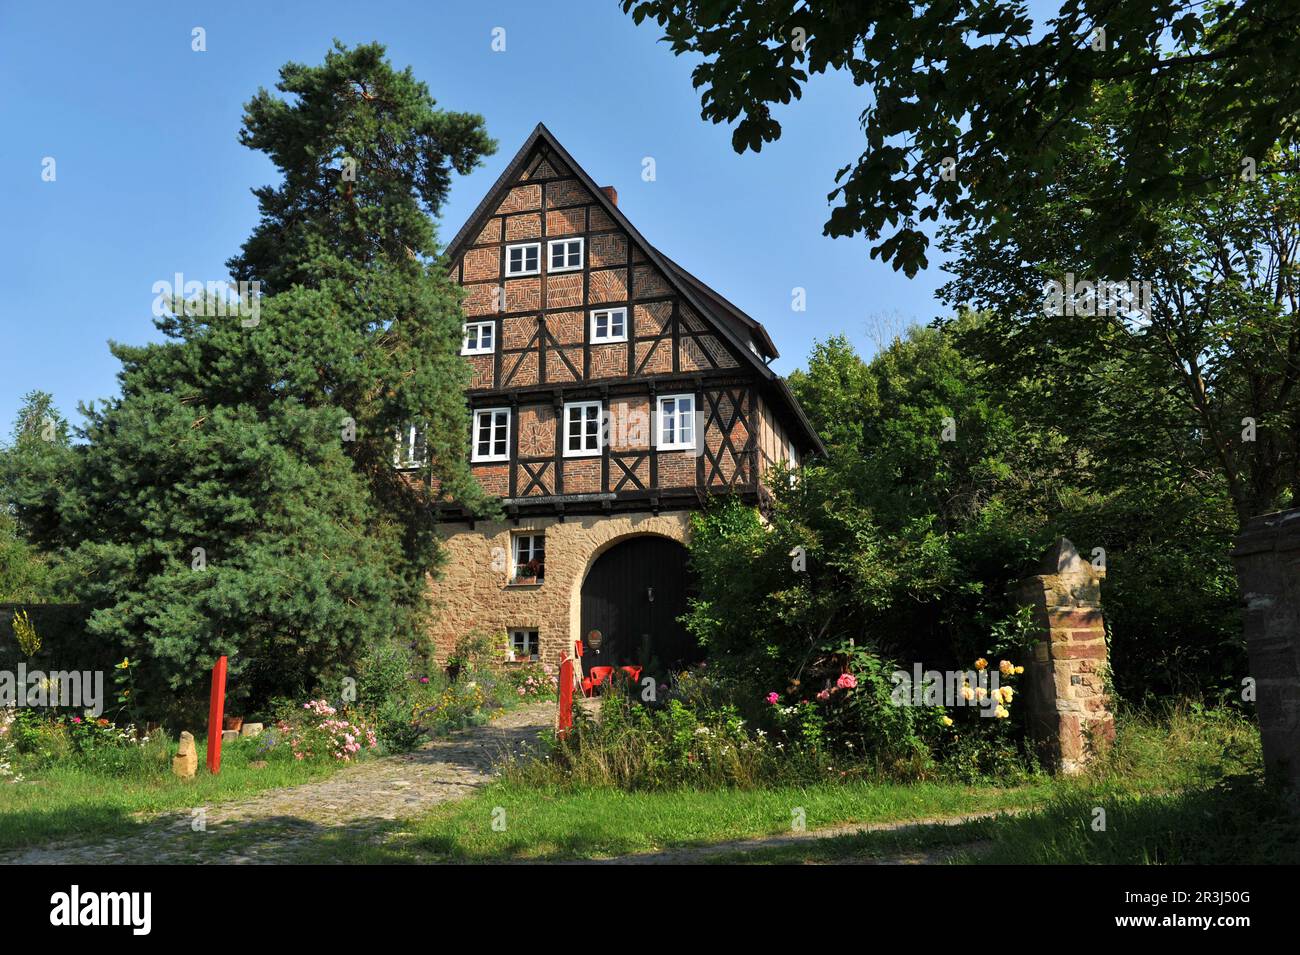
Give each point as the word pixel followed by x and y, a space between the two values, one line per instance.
pixel 251 729
pixel 228 736
pixel 186 761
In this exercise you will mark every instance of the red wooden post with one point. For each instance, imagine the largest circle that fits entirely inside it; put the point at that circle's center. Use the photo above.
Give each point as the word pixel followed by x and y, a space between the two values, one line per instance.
pixel 565 722
pixel 216 712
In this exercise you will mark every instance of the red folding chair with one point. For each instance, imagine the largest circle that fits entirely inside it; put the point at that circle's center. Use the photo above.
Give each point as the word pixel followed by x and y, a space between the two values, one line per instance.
pixel 597 676
pixel 633 673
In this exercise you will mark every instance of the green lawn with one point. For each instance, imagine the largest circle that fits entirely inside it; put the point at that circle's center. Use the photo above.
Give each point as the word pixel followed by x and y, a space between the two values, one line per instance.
pixel 1161 788
pixel 1237 823
pixel 555 824
pixel 69 802
pixel 1184 788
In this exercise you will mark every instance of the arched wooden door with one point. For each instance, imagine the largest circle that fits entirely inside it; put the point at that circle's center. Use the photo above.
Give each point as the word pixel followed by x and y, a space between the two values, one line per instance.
pixel 633 595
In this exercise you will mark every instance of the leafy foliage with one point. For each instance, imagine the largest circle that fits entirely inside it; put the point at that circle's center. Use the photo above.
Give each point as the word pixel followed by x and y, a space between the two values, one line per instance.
pixel 1198 389
pixel 914 543
pixel 982 91
pixel 238 497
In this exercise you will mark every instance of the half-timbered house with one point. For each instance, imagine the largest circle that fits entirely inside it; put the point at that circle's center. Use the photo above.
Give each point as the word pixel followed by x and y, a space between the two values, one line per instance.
pixel 612 394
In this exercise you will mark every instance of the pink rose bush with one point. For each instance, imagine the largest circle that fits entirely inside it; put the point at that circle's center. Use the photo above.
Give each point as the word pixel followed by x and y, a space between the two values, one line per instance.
pixel 323 733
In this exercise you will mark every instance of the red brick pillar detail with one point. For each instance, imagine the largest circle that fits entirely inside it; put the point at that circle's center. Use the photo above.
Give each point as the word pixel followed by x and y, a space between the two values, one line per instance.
pixel 1069 711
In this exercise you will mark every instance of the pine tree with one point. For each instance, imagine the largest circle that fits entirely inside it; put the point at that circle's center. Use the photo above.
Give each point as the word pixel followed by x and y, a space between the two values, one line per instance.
pixel 239 497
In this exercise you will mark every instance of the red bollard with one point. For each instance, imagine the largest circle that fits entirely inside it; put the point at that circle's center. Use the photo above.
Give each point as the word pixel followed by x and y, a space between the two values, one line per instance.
pixel 216 713
pixel 565 722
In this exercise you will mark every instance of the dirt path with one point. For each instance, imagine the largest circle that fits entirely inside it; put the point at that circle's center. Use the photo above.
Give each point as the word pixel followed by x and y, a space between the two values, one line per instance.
pixel 356 800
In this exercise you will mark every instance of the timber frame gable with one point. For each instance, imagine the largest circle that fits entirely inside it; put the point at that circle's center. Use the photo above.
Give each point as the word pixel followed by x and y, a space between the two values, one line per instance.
pixel 678 337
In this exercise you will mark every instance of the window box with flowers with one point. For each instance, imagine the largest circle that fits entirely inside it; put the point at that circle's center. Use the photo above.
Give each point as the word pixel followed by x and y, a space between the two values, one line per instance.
pixel 529 560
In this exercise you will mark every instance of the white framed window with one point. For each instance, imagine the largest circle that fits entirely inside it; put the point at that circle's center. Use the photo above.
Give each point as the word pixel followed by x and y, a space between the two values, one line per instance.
pixel 524 645
pixel 530 557
pixel 410 449
pixel 491 435
pixel 478 338
pixel 524 259
pixel 564 255
pixel 582 429
pixel 676 423
pixel 608 325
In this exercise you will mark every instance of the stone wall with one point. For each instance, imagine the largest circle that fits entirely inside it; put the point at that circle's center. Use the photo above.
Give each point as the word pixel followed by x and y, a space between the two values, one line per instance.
pixel 1267 558
pixel 1069 712
pixel 474 592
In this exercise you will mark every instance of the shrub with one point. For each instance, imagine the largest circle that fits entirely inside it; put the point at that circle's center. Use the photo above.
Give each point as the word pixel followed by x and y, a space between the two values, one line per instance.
pixel 97 745
pixel 460 704
pixel 389 689
pixel 8 751
pixel 532 681
pixel 319 731
pixel 974 747
pixel 673 743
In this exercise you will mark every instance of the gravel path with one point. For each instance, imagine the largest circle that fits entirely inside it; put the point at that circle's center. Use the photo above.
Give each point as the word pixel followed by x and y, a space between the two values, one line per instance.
pixel 356 800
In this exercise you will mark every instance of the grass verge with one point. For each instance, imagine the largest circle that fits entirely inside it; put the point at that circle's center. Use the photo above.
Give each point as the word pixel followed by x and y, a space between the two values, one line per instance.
pixel 70 802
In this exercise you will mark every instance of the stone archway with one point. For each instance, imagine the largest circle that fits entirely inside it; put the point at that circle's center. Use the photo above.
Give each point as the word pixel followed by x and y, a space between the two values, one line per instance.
pixel 631 597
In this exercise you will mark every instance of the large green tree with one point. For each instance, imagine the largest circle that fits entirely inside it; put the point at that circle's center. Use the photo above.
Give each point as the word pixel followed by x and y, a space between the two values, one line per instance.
pixel 239 497
pixel 937 494
pixel 1192 378
pixel 912 526
pixel 969 102
pixel 35 466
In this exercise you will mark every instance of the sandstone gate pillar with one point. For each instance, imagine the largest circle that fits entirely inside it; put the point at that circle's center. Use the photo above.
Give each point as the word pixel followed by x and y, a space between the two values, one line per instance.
pixel 1069 712
pixel 1267 558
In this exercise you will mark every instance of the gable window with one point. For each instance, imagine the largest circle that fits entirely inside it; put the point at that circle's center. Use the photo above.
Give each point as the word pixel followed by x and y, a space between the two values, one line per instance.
pixel 523 259
pixel 608 325
pixel 530 558
pixel 581 429
pixel 491 435
pixel 524 645
pixel 565 255
pixel 410 449
pixel 478 338
pixel 676 422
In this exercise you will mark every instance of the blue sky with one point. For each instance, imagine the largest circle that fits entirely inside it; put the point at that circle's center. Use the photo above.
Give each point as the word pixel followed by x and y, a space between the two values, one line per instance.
pixel 151 179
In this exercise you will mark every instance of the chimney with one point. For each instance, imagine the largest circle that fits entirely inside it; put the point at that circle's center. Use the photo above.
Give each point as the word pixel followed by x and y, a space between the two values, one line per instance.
pixel 611 192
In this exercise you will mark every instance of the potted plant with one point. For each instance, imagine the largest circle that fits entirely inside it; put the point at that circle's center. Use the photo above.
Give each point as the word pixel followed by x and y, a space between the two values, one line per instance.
pixel 232 723
pixel 530 573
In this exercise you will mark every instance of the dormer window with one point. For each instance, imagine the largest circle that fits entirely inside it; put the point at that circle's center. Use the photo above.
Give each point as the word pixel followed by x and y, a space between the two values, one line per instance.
pixel 478 338
pixel 525 259
pixel 608 325
pixel 565 255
